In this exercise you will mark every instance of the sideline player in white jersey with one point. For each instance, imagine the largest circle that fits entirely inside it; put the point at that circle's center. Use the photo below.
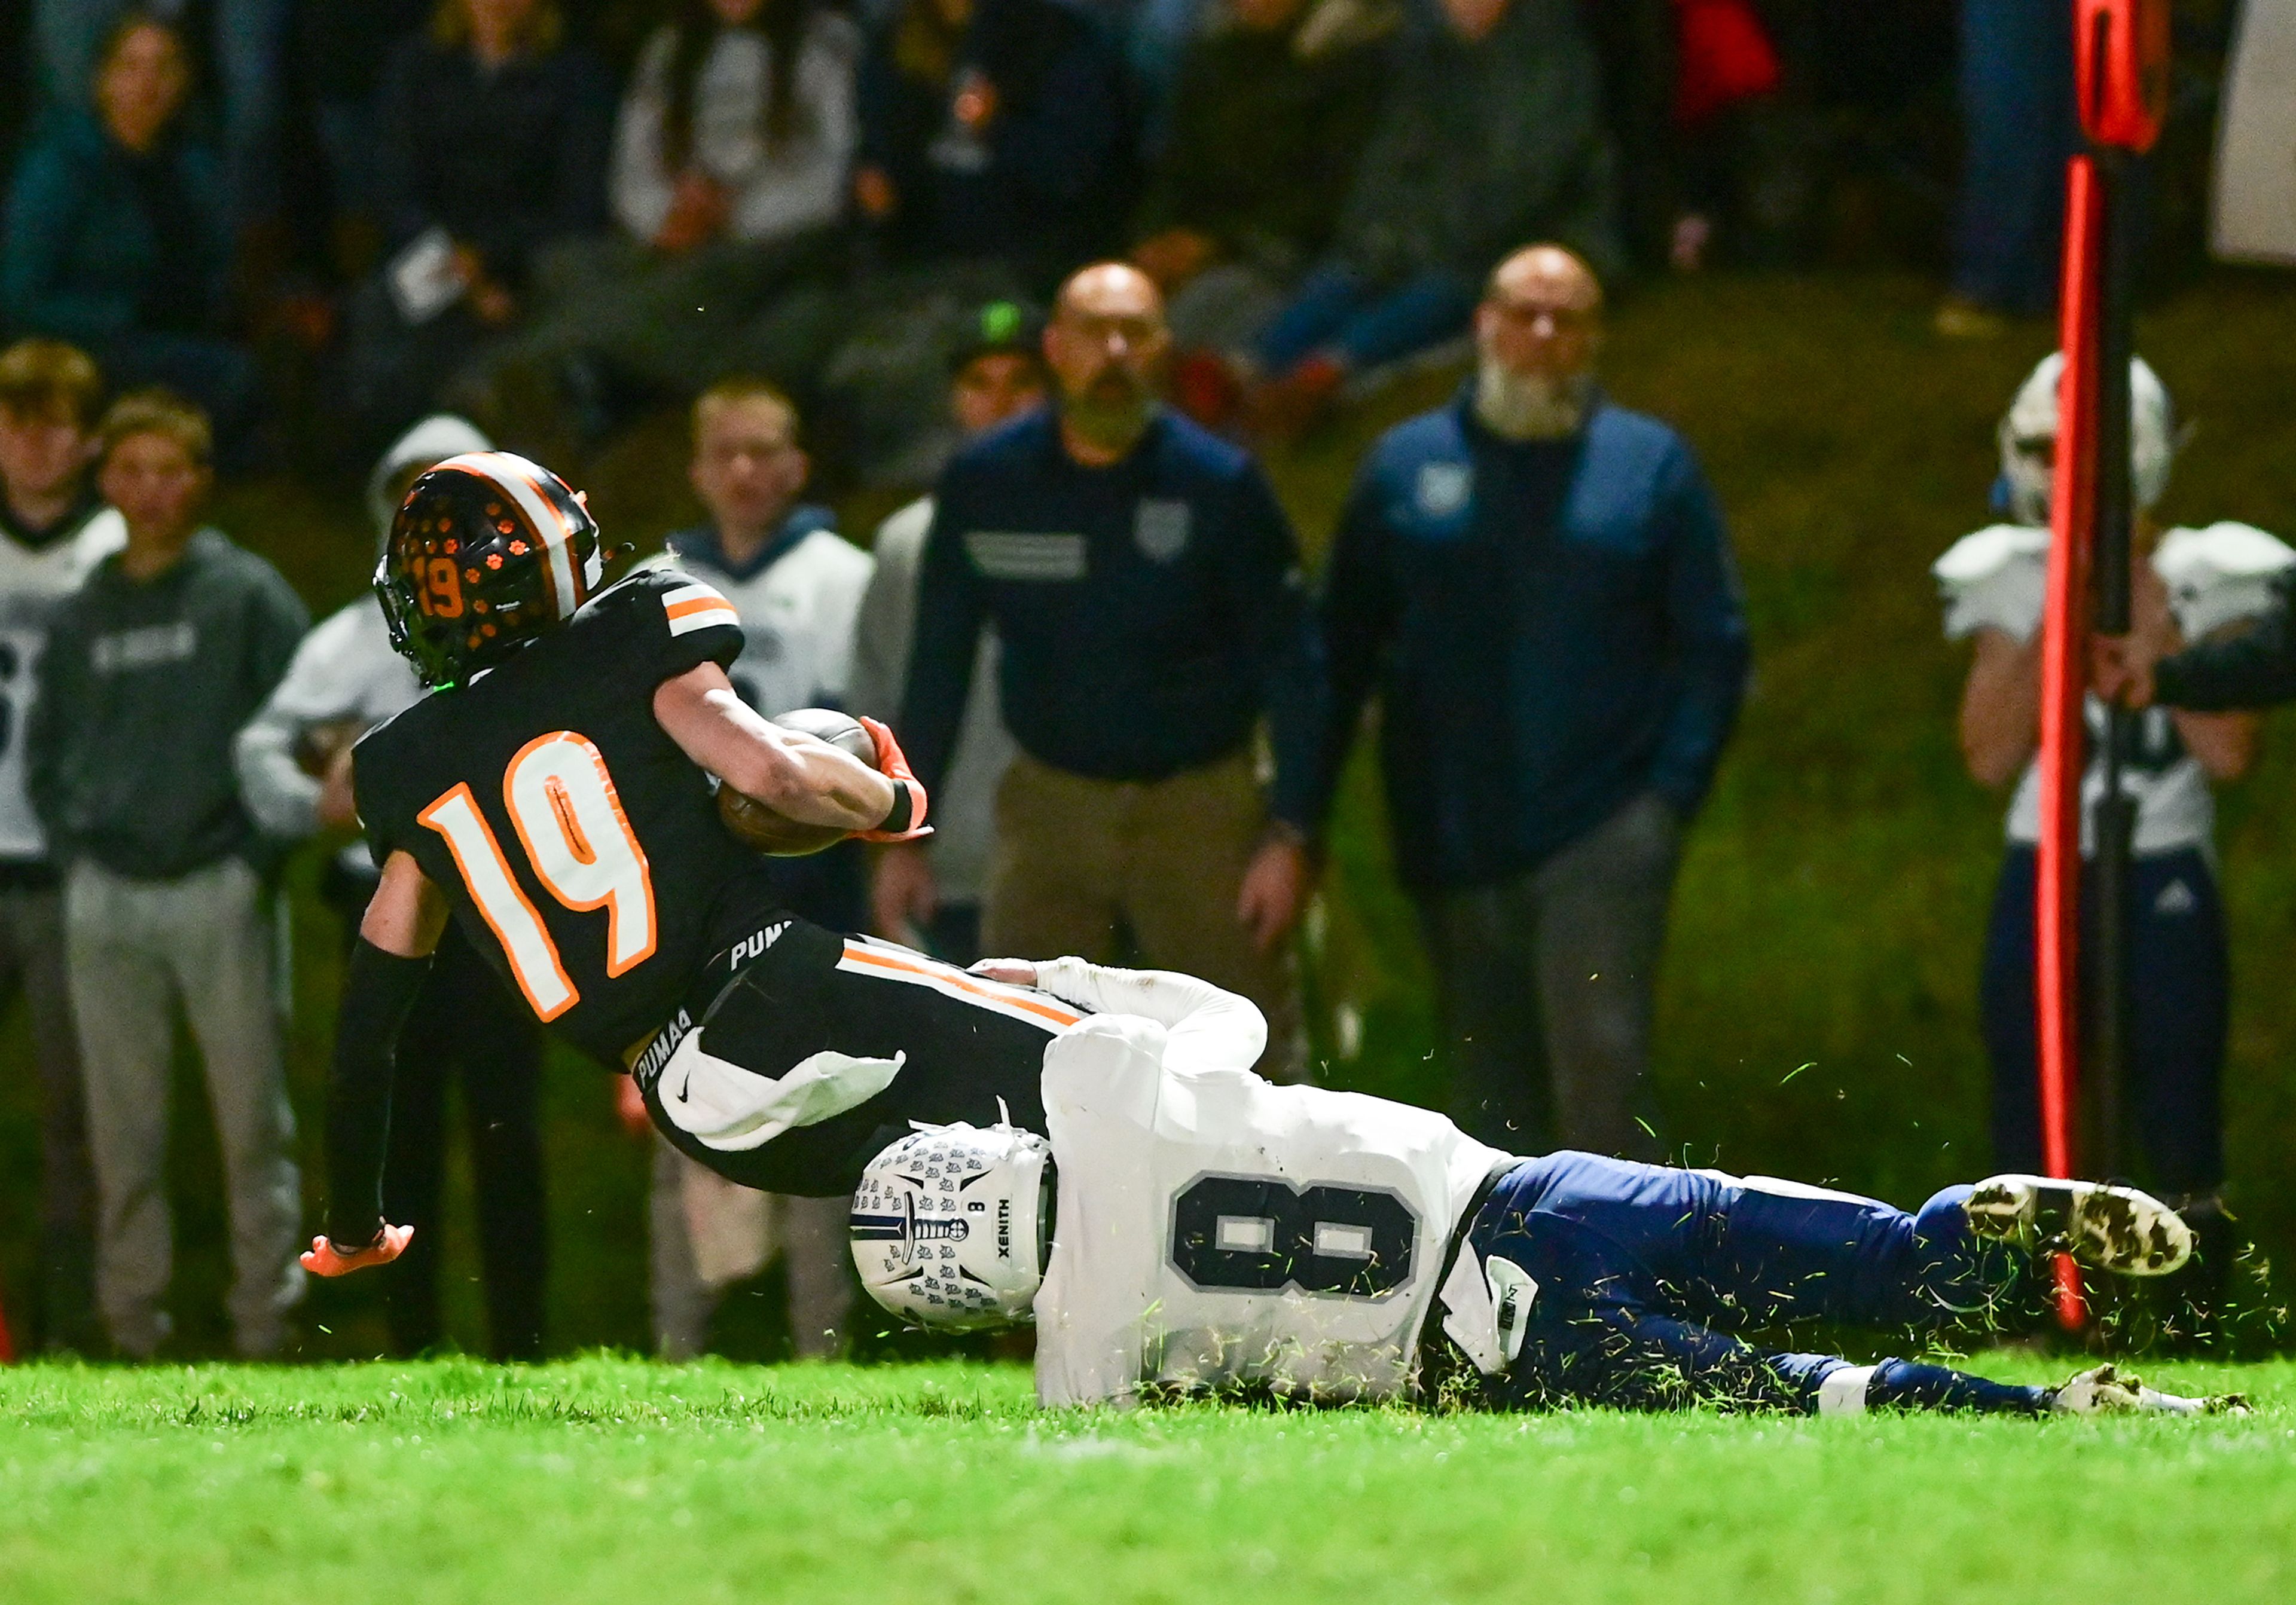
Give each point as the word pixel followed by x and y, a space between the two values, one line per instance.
pixel 2215 583
pixel 1192 1227
pixel 53 531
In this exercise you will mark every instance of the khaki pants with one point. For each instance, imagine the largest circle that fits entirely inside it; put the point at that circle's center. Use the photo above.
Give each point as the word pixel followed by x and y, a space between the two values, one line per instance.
pixel 1081 862
pixel 708 1232
pixel 132 948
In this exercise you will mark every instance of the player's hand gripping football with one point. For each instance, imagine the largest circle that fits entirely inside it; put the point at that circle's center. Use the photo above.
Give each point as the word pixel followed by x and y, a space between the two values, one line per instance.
pixel 894 765
pixel 323 1258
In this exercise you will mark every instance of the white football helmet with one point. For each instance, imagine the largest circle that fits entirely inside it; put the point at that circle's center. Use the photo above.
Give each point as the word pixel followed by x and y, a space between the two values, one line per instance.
pixel 950 1224
pixel 2029 433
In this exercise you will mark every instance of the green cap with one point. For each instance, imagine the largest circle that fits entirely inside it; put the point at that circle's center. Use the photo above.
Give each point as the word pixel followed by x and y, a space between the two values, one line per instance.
pixel 997 327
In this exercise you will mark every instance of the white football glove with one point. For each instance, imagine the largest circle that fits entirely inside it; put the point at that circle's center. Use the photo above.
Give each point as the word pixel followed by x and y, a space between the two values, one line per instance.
pixel 2107 1390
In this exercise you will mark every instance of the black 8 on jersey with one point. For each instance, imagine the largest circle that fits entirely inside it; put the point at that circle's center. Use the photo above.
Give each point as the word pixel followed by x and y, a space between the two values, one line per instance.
pixel 580 845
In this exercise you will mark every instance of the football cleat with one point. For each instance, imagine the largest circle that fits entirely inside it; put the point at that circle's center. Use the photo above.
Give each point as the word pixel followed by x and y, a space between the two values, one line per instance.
pixel 2108 1391
pixel 2110 1228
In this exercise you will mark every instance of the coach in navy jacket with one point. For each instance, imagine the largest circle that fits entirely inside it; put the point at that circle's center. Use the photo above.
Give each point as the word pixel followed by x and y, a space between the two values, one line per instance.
pixel 1540 585
pixel 1146 589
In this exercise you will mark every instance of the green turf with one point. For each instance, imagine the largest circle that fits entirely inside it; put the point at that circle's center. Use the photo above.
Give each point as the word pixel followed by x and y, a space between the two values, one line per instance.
pixel 607 1480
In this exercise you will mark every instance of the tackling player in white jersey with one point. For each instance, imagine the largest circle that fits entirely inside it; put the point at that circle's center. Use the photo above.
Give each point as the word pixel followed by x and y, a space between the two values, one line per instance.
pixel 1192 1227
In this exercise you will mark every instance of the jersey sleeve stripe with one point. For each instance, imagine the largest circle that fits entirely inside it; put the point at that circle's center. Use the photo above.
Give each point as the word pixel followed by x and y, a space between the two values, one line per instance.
pixel 702 613
pixel 915 969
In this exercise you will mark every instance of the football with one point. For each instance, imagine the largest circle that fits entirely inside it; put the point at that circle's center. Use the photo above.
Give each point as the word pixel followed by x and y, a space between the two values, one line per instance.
pixel 766 829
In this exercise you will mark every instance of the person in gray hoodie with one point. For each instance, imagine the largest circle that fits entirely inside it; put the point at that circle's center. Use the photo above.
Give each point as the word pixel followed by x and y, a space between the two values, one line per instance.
pixel 295 777
pixel 150 671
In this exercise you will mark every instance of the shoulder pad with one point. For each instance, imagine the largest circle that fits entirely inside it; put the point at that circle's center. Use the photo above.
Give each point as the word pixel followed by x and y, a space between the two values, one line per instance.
pixel 2226 548
pixel 2220 575
pixel 1995 578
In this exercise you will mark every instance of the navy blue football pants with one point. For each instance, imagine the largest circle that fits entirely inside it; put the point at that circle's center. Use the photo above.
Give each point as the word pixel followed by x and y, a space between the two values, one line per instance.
pixel 1649 1276
pixel 2179 1016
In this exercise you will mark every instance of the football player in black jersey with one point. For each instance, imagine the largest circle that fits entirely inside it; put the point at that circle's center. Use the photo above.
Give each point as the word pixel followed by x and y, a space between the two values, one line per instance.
pixel 554 795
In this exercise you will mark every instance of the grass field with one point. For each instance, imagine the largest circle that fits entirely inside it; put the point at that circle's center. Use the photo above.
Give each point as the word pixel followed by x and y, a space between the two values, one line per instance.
pixel 608 1479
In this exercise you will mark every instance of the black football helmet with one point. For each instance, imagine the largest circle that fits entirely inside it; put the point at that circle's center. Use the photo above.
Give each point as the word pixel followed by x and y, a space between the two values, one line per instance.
pixel 487 552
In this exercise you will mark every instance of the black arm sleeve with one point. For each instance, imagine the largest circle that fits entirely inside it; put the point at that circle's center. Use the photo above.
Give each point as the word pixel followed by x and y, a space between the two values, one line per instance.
pixel 2246 671
pixel 379 991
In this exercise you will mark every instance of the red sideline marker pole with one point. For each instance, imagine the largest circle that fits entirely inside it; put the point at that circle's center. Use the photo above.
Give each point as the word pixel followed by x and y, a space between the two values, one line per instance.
pixel 2064 683
pixel 2121 56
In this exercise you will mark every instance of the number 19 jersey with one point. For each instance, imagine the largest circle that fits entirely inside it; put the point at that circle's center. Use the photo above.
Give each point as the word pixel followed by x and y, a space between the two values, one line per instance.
pixel 1214 1230
pixel 579 845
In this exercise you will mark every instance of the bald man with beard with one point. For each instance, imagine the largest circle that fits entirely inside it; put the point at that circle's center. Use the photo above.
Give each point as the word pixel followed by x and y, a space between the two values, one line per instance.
pixel 1538 584
pixel 1146 589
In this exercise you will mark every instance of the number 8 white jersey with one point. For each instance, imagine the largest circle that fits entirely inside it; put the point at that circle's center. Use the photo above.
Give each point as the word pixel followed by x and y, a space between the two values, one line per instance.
pixel 1215 1230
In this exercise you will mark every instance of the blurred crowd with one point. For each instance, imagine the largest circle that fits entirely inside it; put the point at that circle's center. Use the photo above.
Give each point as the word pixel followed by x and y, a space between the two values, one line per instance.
pixel 1073 265
pixel 319 219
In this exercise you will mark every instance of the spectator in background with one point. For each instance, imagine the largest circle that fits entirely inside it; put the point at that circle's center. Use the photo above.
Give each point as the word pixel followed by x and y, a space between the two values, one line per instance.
pixel 294 766
pixel 1687 86
pixel 2210 585
pixel 1145 588
pixel 1491 134
pixel 997 151
pixel 995 129
pixel 150 672
pixel 492 142
pixel 1153 36
pixel 243 46
pixel 1539 584
pixel 796 585
pixel 2019 126
pixel 1268 117
pixel 997 376
pixel 729 179
pixel 53 531
pixel 740 125
pixel 119 233
pixel 338 49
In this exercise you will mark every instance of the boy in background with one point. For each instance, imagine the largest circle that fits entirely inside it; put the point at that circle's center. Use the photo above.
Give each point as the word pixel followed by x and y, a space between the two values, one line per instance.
pixel 150 670
pixel 54 529
pixel 796 585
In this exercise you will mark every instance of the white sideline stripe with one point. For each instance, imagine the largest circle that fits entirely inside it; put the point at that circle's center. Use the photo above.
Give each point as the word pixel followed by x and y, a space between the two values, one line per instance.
pixel 1843 1391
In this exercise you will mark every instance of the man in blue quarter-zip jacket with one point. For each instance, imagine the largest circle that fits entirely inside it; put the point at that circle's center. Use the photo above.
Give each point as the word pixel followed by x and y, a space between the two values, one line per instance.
pixel 1540 585
pixel 1146 590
